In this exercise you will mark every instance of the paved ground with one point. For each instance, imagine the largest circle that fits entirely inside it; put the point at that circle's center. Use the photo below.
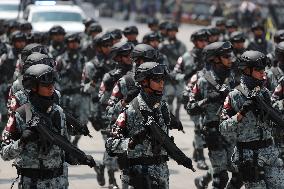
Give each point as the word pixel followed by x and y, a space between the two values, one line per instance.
pixel 83 177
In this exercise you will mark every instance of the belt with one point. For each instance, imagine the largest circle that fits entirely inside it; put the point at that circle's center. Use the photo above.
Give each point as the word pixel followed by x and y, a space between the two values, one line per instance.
pixel 43 174
pixel 212 124
pixel 147 160
pixel 254 145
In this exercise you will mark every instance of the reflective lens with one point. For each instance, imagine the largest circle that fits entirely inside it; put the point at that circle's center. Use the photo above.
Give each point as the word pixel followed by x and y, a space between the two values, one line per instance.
pixel 227 46
pixel 152 54
pixel 48 78
pixel 160 70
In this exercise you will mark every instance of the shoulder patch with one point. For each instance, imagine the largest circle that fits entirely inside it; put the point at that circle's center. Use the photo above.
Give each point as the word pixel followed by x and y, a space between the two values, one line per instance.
pixel 193 79
pixel 116 91
pixel 227 104
pixel 121 120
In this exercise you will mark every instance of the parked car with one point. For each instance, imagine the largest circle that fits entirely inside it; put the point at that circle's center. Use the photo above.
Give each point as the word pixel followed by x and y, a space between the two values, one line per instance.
pixel 43 17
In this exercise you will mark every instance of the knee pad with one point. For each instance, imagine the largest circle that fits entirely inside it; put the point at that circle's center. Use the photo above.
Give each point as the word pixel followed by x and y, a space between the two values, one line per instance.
pixel 220 179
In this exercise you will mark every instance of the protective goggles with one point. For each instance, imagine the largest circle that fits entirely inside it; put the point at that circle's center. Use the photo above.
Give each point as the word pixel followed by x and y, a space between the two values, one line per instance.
pixel 48 78
pixel 47 61
pixel 159 70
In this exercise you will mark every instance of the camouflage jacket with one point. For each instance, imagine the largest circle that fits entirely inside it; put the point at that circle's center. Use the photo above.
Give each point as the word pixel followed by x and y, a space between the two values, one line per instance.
pixel 251 127
pixel 33 155
pixel 70 71
pixel 273 75
pixel 173 50
pixel 199 95
pixel 131 123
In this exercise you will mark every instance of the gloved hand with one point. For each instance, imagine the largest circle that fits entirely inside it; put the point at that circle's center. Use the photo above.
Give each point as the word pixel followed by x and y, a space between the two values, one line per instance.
pixel 131 95
pixel 247 106
pixel 28 136
pixel 90 161
pixel 214 96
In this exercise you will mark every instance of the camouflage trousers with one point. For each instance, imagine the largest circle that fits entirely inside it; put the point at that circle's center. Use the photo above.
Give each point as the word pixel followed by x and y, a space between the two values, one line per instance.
pixel 266 159
pixel 198 140
pixel 108 161
pixel 3 106
pixel 173 91
pixel 55 183
pixel 146 177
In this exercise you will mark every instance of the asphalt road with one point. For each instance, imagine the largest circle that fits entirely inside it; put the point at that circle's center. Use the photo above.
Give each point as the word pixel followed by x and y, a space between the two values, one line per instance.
pixel 83 177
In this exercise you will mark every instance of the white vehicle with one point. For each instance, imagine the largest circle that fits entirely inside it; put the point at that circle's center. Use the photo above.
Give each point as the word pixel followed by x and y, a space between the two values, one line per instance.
pixel 9 9
pixel 43 17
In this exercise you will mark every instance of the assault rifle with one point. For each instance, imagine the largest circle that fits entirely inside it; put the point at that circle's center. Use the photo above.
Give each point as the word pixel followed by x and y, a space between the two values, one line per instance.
pixel 47 135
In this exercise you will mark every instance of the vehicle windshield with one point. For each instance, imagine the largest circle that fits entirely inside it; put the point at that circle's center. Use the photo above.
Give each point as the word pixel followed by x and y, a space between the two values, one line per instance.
pixel 56 16
pixel 9 7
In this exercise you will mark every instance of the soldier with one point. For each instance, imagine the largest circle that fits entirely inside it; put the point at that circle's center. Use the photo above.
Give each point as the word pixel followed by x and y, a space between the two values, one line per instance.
pixel 258 42
pixel 87 42
pixel 207 97
pixel 238 41
pixel 188 65
pixel 153 24
pixel 56 47
pixel 40 163
pixel 278 37
pixel 70 66
pixel 221 26
pixel 9 60
pixel 276 71
pixel 116 35
pixel 255 155
pixel 131 33
pixel 213 34
pixel 120 53
pixel 153 39
pixel 26 27
pixel 163 30
pixel 28 50
pixel 173 48
pixel 12 26
pixel 231 26
pixel 147 167
pixel 92 76
pixel 126 89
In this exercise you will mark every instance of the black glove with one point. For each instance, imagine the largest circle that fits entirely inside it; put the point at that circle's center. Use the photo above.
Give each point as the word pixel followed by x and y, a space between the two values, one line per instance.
pixel 214 96
pixel 28 136
pixel 131 95
pixel 247 106
pixel 90 161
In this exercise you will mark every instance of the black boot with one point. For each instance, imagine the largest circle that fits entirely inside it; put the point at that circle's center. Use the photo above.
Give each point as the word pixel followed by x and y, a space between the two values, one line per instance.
pixel 100 170
pixel 203 181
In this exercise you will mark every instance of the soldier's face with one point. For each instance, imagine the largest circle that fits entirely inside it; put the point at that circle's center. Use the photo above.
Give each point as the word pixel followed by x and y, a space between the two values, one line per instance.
pixel 126 59
pixel 213 38
pixel 45 90
pixel 157 84
pixel 106 48
pixel 154 44
pixel 258 32
pixel 258 74
pixel 73 45
pixel 227 60
pixel 131 37
pixel 238 45
pixel 20 44
pixel 200 44
pixel 57 37
pixel 172 33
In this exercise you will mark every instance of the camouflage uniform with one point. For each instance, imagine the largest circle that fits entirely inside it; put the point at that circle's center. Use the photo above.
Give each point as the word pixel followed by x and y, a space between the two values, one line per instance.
pixel 173 49
pixel 127 125
pixel 263 160
pixel 219 150
pixel 70 67
pixel 31 157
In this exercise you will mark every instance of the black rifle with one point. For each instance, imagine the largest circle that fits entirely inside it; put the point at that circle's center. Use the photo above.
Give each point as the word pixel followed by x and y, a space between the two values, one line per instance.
pixel 76 126
pixel 46 134
pixel 174 152
pixel 266 110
